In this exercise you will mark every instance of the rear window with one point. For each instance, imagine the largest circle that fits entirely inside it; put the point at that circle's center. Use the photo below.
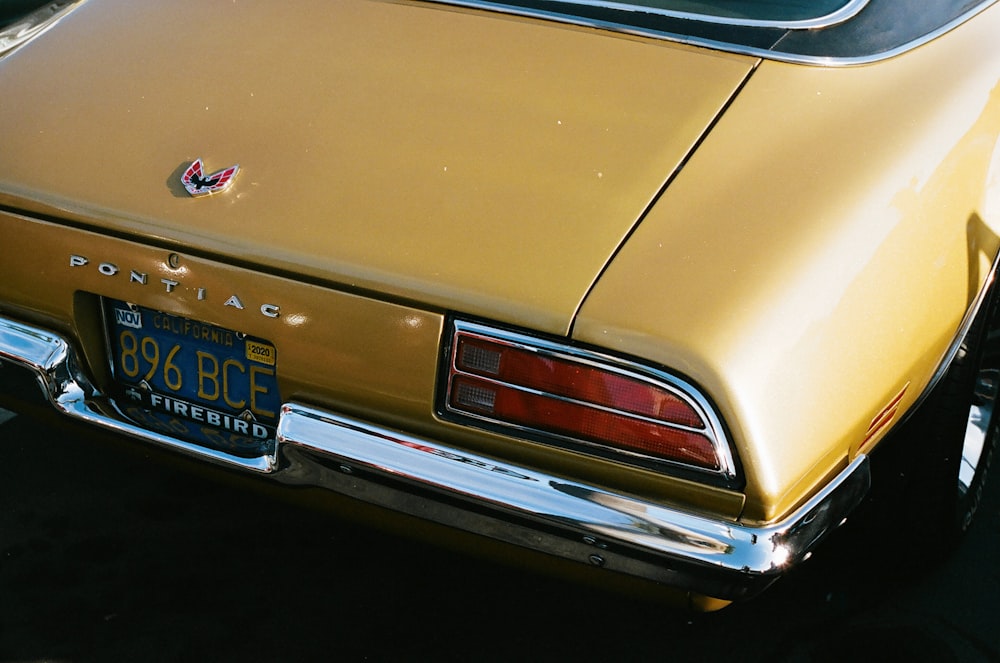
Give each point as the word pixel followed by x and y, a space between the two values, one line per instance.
pixel 819 32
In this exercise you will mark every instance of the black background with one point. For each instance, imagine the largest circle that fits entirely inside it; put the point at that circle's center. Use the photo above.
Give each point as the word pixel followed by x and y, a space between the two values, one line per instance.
pixel 108 553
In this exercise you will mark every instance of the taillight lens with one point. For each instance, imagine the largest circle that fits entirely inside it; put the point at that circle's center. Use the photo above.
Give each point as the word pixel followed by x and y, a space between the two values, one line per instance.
pixel 540 387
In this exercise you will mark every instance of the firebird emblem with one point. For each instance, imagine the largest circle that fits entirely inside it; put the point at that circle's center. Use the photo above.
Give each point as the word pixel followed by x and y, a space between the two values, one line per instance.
pixel 197 184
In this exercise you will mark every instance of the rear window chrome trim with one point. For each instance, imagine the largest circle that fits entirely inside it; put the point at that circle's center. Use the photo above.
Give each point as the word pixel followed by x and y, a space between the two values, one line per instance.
pixel 772 52
pixel 845 13
pixel 32 25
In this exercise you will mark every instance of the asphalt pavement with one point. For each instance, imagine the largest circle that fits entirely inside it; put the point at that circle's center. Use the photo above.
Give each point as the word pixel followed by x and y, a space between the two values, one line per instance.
pixel 106 554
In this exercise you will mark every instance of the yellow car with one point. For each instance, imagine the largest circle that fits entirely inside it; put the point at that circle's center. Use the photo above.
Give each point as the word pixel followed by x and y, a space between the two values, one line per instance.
pixel 649 286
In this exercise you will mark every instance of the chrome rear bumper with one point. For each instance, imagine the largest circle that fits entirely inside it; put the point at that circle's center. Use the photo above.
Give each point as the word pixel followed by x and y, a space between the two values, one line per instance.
pixel 478 494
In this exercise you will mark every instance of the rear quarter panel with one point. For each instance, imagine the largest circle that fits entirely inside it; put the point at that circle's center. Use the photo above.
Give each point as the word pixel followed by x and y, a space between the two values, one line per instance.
pixel 816 256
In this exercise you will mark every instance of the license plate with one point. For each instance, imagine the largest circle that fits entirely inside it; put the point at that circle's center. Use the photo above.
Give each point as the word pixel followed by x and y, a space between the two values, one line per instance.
pixel 201 382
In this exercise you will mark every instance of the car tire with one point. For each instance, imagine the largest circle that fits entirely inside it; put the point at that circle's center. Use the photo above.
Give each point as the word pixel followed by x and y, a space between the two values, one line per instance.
pixel 928 484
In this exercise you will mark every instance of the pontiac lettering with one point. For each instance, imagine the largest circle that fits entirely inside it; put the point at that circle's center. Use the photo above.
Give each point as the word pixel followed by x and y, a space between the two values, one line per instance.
pixel 110 269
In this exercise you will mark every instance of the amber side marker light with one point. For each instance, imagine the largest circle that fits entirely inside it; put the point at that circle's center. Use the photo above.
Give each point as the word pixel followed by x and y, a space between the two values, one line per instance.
pixel 543 390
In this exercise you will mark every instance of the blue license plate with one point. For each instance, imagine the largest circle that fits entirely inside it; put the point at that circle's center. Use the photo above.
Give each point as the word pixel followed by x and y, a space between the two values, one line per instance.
pixel 201 382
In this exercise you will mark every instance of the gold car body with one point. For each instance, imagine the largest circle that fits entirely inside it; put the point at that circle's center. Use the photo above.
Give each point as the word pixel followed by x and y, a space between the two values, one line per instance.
pixel 801 240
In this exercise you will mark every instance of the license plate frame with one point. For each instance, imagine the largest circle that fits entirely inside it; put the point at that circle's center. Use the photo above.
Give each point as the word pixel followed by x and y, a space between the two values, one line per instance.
pixel 204 383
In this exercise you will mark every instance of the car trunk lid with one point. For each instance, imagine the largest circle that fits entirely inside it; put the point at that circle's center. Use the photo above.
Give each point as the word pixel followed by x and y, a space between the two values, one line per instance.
pixel 460 159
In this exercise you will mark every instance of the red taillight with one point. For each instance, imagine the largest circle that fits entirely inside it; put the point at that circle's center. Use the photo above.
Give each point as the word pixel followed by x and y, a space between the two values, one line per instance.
pixel 575 380
pixel 557 393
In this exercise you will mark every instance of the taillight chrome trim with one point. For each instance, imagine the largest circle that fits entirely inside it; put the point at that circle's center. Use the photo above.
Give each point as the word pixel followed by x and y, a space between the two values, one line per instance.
pixel 714 430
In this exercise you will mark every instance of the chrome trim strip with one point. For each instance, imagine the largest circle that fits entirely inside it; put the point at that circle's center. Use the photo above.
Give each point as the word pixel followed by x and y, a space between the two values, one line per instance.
pixel 848 11
pixel 715 433
pixel 963 330
pixel 483 495
pixel 729 47
pixel 884 55
pixel 29 27
pixel 608 521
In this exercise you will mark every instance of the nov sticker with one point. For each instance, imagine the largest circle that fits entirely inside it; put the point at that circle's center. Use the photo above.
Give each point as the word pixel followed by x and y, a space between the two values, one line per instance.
pixel 128 318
